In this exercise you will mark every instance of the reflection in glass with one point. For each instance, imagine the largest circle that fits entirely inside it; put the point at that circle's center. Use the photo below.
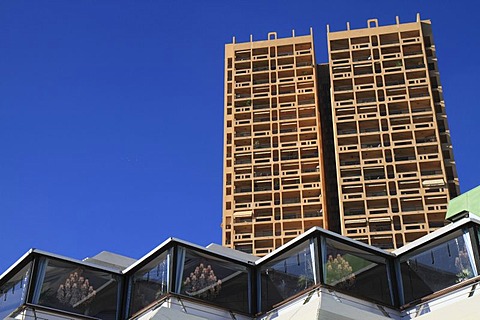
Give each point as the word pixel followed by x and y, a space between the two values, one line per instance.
pixel 149 283
pixel 436 267
pixel 356 271
pixel 76 288
pixel 13 292
pixel 287 275
pixel 219 281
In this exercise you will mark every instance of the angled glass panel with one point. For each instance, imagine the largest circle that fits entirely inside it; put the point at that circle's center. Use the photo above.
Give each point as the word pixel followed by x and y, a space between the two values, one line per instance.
pixel 436 266
pixel 356 271
pixel 286 275
pixel 14 292
pixel 78 289
pixel 215 280
pixel 150 283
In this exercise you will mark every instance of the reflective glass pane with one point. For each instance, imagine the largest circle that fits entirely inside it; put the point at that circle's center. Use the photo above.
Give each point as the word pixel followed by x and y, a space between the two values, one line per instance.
pixel 356 271
pixel 286 275
pixel 218 281
pixel 76 288
pixel 13 293
pixel 149 283
pixel 435 267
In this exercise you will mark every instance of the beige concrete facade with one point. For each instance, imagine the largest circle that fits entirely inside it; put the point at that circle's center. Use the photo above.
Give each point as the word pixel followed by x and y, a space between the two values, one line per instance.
pixel 395 166
pixel 273 173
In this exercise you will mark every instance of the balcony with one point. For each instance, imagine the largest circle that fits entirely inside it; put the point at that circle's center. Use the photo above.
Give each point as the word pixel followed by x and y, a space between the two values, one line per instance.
pixel 347 131
pixel 243 161
pixel 263 173
pixel 312 214
pixel 243 189
pixel 260 106
pixel 343 88
pixel 350 163
pixel 374 176
pixel 242 95
pixel 431 172
pixel 266 233
pixel 289 157
pixel 291 200
pixel 414 66
pixel 262 188
pixel 262 146
pixel 288 216
pixel 260 68
pixel 404 158
pixel 366 100
pixel 303 102
pixel 243 134
pixel 310 155
pixel 263 119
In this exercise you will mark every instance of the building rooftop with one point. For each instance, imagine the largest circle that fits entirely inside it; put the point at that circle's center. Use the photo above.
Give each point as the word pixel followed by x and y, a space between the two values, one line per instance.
pixel 319 273
pixel 469 202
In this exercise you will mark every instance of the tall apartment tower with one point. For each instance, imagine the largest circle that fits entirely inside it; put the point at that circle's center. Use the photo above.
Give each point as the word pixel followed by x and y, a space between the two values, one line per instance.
pixel 273 169
pixel 394 160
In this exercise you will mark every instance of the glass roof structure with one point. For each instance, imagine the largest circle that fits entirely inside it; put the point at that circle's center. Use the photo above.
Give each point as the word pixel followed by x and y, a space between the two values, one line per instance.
pixel 47 286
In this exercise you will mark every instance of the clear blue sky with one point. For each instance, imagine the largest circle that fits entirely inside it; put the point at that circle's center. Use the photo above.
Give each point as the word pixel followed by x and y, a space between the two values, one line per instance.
pixel 111 112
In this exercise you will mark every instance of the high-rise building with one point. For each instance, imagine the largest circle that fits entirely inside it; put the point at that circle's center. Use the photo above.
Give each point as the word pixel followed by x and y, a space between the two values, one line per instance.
pixel 360 146
pixel 394 160
pixel 273 168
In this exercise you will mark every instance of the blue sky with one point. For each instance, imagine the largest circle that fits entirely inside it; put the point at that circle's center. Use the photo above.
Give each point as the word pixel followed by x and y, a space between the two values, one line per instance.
pixel 111 112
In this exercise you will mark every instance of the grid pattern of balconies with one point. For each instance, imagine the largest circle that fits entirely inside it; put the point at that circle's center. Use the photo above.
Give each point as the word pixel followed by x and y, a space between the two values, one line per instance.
pixel 395 166
pixel 272 157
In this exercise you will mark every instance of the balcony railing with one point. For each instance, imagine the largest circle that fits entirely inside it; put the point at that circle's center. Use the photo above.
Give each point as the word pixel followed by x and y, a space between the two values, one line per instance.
pixel 290 157
pixel 404 158
pixel 262 68
pixel 350 163
pixel 409 209
pixel 343 88
pixel 348 131
pixel 242 95
pixel 431 172
pixel 262 174
pixel 365 100
pixel 264 188
pixel 261 146
pixel 377 194
pixel 312 214
pixel 304 64
pixel 414 66
pixel 261 106
pixel 261 81
pixel 291 200
pixel 426 140
pixel 283 54
pixel 371 145
pixel 374 176
pixel 418 95
pixel 309 155
pixel 362 130
pixel 291 216
pixel 243 161
pixel 288 130
pixel 268 233
pixel 352 212
pixel 302 102
pixel 243 189
pixel 242 134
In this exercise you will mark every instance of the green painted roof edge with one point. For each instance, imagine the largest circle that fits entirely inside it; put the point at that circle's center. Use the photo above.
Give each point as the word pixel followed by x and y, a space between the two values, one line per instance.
pixel 469 201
